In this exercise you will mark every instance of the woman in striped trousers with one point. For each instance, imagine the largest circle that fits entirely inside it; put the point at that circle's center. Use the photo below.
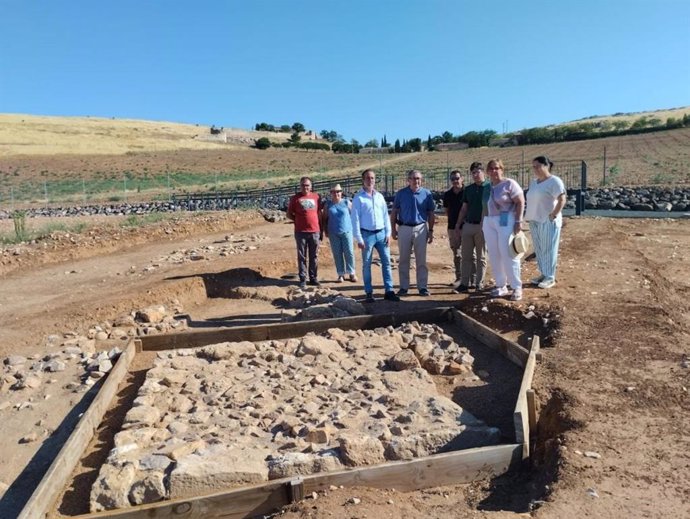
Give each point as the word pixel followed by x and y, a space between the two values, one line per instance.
pixel 545 200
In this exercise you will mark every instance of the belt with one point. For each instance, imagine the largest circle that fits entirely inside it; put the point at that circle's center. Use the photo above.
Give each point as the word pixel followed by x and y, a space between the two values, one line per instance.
pixel 474 223
pixel 411 224
pixel 367 230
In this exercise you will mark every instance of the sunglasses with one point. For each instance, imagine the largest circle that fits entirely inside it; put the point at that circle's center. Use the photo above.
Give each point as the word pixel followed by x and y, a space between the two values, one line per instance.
pixel 454 178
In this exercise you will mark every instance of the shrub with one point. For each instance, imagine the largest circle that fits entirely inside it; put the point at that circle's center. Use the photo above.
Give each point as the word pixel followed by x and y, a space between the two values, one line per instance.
pixel 262 143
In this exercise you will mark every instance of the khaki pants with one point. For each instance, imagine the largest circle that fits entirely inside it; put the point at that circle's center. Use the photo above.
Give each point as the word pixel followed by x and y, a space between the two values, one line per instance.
pixel 454 244
pixel 410 238
pixel 473 249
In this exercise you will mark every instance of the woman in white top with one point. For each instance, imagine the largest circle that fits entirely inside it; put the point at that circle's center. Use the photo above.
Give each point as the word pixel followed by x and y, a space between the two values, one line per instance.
pixel 546 197
pixel 503 220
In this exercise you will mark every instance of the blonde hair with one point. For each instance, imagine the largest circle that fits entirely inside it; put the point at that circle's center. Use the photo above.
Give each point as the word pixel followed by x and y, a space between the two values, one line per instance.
pixel 495 162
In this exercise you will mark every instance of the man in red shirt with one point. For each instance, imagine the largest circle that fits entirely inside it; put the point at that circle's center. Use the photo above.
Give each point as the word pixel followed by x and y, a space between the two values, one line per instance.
pixel 303 210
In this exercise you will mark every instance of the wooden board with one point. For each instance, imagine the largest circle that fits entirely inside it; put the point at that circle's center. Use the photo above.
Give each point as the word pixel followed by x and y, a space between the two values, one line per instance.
pixel 509 349
pixel 431 471
pixel 521 413
pixel 55 479
pixel 437 470
pixel 264 332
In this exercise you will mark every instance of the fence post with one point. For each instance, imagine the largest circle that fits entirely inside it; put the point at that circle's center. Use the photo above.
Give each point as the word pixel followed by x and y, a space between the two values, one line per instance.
pixel 580 202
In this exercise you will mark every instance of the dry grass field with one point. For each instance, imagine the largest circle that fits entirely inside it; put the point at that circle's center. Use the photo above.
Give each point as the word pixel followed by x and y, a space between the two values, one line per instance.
pixel 80 159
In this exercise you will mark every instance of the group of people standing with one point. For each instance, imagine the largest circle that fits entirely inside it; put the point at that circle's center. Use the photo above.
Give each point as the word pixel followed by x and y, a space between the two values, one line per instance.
pixel 484 217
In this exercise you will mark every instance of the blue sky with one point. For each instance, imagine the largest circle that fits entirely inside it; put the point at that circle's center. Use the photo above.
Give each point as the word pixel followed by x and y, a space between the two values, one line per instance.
pixel 363 68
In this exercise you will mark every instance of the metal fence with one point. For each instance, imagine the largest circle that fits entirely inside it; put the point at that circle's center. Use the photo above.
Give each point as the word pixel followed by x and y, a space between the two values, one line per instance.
pixel 436 180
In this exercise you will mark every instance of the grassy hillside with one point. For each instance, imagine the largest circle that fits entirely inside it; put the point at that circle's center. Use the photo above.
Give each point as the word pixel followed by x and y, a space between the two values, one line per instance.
pixel 80 159
pixel 44 135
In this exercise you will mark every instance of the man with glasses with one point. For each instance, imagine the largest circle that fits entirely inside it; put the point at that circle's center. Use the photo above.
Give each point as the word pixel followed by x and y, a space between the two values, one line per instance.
pixel 469 229
pixel 303 210
pixel 372 230
pixel 412 222
pixel 452 202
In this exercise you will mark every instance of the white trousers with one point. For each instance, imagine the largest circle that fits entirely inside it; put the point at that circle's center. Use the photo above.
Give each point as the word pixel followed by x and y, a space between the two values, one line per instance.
pixel 505 268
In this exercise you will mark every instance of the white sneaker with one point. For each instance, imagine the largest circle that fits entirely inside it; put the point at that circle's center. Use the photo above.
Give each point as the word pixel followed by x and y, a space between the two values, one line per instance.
pixel 547 283
pixel 340 279
pixel 537 280
pixel 499 292
pixel 517 295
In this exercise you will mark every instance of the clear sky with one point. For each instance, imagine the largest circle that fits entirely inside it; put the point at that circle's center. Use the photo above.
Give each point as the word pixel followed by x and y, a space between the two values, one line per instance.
pixel 364 68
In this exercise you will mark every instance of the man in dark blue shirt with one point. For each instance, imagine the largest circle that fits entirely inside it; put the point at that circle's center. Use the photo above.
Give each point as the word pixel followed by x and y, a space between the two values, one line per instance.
pixel 412 223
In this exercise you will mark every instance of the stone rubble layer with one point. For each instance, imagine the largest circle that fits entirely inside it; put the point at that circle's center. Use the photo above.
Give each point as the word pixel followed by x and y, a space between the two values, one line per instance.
pixel 229 414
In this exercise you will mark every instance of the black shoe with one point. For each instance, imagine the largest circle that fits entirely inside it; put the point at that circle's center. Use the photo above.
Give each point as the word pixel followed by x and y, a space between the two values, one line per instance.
pixel 402 292
pixel 314 283
pixel 424 292
pixel 370 298
pixel 303 284
pixel 391 296
pixel 462 288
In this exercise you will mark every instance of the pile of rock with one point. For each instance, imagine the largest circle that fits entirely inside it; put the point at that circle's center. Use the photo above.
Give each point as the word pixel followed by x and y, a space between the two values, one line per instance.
pixel 308 304
pixel 273 215
pixel 233 245
pixel 83 359
pixel 639 198
pixel 209 418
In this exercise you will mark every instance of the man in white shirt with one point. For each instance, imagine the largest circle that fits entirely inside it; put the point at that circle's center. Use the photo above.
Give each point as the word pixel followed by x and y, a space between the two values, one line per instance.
pixel 371 227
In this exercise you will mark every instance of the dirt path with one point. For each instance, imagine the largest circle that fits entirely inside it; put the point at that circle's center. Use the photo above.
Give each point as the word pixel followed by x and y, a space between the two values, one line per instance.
pixel 611 381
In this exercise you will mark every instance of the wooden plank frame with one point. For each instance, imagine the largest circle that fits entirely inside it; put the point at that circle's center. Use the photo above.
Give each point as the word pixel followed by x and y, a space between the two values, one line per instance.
pixel 521 415
pixel 437 470
pixel 57 475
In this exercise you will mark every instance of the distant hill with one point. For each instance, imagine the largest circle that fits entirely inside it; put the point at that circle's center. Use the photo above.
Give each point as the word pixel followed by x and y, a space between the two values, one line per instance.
pixel 50 135
pixel 630 117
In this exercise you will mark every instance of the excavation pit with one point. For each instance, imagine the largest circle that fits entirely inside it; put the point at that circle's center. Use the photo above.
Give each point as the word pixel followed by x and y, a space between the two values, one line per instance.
pixel 219 413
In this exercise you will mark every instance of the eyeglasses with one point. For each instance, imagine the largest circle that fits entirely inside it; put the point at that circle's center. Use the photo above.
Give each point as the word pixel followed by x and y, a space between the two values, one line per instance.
pixel 454 178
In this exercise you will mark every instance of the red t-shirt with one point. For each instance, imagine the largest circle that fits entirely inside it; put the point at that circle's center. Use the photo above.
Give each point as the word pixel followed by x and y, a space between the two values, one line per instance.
pixel 306 210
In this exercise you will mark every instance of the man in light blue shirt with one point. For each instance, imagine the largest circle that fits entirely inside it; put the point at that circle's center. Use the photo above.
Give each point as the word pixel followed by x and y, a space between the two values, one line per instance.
pixel 412 224
pixel 371 227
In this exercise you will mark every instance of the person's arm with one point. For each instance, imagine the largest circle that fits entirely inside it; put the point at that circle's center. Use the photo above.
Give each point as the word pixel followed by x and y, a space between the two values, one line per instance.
pixel 519 209
pixel 430 221
pixel 560 203
pixel 324 219
pixel 394 223
pixel 354 217
pixel 461 217
pixel 291 209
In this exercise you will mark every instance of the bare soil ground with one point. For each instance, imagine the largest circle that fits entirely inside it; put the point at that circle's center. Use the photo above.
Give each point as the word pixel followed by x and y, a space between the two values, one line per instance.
pixel 612 380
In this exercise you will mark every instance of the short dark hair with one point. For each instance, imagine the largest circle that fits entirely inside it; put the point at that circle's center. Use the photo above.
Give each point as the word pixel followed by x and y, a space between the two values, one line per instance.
pixel 476 165
pixel 544 161
pixel 305 178
pixel 367 171
pixel 456 172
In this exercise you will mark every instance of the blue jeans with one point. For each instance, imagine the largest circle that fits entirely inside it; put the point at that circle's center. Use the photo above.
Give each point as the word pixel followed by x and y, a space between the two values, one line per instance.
pixel 343 253
pixel 376 240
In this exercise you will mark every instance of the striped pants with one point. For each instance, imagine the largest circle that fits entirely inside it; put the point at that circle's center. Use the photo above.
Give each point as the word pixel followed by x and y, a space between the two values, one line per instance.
pixel 546 236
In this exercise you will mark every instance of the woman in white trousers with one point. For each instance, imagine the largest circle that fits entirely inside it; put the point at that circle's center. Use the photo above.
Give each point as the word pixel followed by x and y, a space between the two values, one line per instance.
pixel 504 218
